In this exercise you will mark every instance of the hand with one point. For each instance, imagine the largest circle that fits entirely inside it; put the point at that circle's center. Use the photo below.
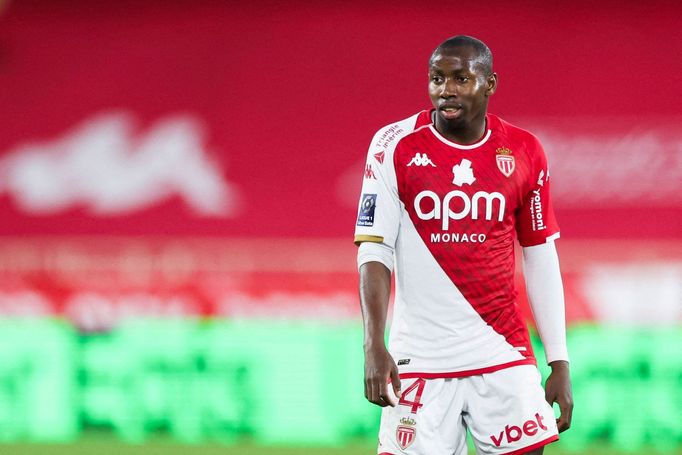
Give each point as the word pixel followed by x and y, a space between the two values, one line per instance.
pixel 380 371
pixel 558 390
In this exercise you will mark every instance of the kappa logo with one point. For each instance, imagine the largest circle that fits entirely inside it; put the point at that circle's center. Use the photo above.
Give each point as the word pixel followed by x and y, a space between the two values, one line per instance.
pixel 369 172
pixel 541 180
pixel 421 159
pixel 514 433
pixel 462 173
pixel 505 161
pixel 379 157
pixel 109 168
pixel 406 433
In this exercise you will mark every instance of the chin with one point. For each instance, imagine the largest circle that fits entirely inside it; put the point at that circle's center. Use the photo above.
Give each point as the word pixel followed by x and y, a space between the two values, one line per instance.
pixel 461 120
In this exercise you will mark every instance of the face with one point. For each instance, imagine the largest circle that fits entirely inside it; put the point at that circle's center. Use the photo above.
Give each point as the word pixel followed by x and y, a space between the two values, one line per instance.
pixel 459 87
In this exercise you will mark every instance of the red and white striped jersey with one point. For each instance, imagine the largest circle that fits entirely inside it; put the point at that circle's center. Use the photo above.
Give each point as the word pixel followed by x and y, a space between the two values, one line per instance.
pixel 451 213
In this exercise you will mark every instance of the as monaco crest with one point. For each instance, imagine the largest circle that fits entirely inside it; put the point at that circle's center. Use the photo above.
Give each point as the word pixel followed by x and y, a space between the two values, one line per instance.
pixel 405 436
pixel 505 161
pixel 405 433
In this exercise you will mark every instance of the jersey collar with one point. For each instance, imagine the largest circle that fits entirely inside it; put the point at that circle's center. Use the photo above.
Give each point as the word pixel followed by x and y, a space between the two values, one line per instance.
pixel 483 140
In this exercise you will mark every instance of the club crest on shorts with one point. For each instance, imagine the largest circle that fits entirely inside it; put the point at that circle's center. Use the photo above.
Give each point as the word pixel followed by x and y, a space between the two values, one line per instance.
pixel 406 433
pixel 505 161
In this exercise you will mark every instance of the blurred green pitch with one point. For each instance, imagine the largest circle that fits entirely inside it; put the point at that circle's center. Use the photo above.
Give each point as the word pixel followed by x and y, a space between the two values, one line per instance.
pixel 106 446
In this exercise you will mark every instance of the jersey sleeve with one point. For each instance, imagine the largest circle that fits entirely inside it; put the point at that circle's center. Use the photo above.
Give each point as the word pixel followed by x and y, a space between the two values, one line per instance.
pixel 379 207
pixel 535 220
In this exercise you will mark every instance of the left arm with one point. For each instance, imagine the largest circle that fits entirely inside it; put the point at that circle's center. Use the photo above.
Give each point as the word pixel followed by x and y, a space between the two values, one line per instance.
pixel 546 297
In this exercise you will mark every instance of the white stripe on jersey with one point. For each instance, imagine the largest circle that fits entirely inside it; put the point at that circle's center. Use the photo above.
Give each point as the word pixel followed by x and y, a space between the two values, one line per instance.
pixel 433 324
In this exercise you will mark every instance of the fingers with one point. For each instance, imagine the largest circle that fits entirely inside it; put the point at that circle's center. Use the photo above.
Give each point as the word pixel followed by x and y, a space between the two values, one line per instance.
pixel 374 395
pixel 395 382
pixel 563 423
pixel 373 392
pixel 559 391
pixel 382 382
pixel 383 392
pixel 387 392
pixel 377 391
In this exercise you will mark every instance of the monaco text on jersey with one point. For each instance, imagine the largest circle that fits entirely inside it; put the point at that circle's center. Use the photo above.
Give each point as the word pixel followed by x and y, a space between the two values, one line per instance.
pixel 455 237
pixel 469 206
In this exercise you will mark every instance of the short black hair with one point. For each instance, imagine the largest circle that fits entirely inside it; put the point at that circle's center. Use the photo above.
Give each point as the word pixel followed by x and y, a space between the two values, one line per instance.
pixel 483 52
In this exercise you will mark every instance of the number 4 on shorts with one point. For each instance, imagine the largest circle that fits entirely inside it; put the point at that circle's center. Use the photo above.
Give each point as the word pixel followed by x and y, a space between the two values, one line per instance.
pixel 414 404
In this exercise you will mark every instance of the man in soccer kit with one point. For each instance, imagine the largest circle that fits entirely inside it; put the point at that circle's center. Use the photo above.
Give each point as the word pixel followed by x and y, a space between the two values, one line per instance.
pixel 445 194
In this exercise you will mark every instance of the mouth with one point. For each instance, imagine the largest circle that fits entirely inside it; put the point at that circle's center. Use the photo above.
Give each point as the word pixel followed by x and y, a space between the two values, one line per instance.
pixel 450 111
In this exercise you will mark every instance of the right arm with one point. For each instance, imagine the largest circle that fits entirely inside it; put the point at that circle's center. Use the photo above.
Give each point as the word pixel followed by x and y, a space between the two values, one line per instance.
pixel 380 368
pixel 376 231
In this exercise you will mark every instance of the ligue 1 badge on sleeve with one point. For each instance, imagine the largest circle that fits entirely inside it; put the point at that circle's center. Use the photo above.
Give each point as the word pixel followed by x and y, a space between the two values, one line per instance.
pixel 505 161
pixel 366 213
pixel 406 432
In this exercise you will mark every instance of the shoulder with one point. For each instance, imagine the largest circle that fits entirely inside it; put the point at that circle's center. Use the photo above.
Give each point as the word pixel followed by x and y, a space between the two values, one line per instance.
pixel 388 137
pixel 519 137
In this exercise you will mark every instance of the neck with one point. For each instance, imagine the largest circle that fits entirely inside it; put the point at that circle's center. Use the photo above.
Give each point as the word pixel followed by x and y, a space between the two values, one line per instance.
pixel 463 134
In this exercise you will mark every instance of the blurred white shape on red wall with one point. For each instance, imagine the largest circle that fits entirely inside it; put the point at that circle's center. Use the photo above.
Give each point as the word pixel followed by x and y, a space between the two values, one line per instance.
pixel 636 294
pixel 102 166
pixel 631 167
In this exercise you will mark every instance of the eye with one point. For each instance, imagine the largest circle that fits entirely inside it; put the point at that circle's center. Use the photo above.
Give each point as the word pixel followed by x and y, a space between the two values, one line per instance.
pixel 436 79
pixel 462 79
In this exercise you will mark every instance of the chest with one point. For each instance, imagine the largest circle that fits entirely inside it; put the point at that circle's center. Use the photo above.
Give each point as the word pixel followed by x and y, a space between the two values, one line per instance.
pixel 491 172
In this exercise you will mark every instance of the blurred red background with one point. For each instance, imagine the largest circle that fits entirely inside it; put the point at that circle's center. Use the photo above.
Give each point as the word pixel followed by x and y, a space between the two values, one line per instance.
pixel 206 157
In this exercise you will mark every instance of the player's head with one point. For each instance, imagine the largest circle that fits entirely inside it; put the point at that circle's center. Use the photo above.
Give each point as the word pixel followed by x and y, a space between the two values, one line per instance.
pixel 461 79
pixel 483 55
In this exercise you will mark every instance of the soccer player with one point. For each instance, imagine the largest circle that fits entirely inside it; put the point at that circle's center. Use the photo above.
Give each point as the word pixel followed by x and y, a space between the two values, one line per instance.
pixel 445 193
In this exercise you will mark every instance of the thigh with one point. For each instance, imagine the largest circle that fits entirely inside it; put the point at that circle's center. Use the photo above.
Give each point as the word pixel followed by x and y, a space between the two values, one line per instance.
pixel 428 419
pixel 506 411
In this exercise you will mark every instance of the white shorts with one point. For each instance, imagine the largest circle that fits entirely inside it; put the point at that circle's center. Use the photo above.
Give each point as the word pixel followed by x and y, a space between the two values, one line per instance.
pixel 505 412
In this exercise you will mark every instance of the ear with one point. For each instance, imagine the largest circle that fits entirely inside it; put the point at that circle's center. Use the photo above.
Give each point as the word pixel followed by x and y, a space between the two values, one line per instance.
pixel 491 82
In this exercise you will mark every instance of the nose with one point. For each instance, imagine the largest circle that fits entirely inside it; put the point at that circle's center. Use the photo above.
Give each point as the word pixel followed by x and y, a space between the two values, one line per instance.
pixel 449 89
